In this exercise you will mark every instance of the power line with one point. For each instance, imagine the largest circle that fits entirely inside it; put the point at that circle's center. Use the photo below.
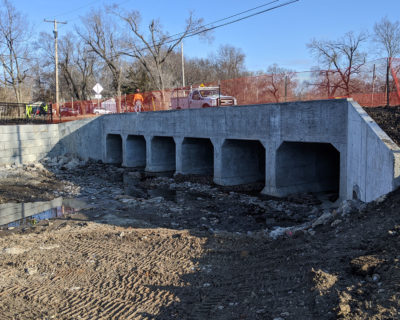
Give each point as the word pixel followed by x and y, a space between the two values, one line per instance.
pixel 201 30
pixel 227 18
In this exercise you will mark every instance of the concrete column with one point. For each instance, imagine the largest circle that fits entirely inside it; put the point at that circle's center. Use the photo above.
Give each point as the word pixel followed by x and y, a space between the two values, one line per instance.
pixel 178 154
pixel 217 143
pixel 124 157
pixel 270 170
pixel 148 152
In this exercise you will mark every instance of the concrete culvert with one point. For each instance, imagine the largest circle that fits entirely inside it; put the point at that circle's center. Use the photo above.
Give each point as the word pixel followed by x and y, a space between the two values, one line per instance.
pixel 114 149
pixel 243 161
pixel 163 155
pixel 135 151
pixel 307 167
pixel 197 156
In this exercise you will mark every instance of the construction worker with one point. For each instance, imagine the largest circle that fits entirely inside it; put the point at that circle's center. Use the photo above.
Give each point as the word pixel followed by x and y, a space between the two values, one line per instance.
pixel 138 101
pixel 28 111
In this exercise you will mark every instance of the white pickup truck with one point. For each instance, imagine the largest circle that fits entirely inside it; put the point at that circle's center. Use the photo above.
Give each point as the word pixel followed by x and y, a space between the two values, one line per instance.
pixel 202 97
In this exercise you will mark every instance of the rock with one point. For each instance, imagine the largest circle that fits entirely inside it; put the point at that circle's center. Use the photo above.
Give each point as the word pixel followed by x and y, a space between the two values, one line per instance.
pixel 381 199
pixel 278 232
pixel 72 164
pixel 39 166
pixel 325 218
pixel 156 200
pixel 348 206
pixel 336 222
pixel 31 270
pixel 15 250
pixel 62 161
pixel 376 277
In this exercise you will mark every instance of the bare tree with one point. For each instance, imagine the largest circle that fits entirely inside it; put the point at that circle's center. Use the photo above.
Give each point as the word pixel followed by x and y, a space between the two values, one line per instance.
pixel 279 83
pixel 342 57
pixel 77 66
pixel 152 48
pixel 229 62
pixel 101 35
pixel 14 53
pixel 387 36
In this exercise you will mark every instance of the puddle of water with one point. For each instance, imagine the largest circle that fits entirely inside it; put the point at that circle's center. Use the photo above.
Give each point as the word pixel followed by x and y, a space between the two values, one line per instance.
pixel 30 213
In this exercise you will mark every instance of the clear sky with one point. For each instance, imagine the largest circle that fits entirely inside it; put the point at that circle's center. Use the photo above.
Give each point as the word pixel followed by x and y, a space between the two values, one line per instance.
pixel 278 36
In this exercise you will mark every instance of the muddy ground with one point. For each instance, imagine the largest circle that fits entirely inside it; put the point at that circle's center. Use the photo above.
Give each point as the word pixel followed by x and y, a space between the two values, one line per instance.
pixel 183 248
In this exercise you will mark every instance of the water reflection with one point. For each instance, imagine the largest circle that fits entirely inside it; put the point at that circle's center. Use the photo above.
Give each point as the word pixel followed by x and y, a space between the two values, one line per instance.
pixel 29 213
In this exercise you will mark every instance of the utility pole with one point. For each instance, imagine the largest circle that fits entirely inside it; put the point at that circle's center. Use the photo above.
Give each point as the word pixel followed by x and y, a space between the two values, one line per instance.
pixel 183 66
pixel 387 83
pixel 56 58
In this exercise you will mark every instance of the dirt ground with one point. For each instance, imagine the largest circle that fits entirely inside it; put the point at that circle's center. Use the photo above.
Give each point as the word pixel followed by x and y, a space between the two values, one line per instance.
pixel 183 248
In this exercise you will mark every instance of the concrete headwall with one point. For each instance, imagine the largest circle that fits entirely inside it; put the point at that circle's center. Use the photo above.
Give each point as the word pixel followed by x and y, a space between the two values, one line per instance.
pixel 329 145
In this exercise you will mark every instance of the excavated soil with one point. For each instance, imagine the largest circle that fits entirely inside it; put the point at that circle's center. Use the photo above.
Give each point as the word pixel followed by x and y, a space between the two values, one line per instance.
pixel 183 248
pixel 388 118
pixel 199 252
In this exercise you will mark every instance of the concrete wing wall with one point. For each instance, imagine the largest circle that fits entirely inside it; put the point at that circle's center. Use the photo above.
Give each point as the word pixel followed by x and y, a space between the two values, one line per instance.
pixel 372 157
pixel 83 138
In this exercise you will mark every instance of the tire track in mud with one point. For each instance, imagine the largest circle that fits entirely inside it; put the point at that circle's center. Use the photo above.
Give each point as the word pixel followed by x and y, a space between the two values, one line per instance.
pixel 123 277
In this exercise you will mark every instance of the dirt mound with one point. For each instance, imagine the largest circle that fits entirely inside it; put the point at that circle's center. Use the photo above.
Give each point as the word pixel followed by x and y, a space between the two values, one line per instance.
pixel 388 118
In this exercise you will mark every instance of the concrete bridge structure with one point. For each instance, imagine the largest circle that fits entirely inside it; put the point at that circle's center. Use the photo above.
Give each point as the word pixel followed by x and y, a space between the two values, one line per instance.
pixel 293 147
pixel 316 146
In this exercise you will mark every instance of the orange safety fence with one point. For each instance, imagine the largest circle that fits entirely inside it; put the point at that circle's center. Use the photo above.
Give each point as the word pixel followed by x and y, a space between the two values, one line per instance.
pixel 367 86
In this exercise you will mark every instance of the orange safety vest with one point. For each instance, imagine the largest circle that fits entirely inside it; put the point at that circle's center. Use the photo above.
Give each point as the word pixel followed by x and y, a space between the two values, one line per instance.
pixel 138 96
